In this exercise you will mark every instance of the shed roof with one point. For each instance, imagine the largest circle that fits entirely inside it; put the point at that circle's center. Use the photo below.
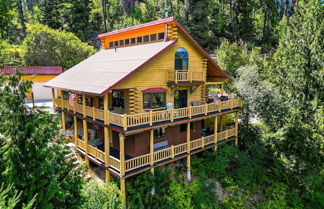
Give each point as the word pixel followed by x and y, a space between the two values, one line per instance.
pixel 107 68
pixel 32 70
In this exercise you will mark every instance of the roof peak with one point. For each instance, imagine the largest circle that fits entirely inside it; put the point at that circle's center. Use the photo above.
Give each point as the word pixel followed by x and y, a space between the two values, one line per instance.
pixel 135 27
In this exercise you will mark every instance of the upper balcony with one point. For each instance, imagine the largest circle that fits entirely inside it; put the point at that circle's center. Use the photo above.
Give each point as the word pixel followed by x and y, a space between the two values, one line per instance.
pixel 128 122
pixel 177 77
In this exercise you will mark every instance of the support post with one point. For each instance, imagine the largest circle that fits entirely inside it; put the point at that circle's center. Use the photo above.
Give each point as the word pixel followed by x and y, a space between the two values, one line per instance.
pixel 151 118
pixel 62 104
pixel 125 122
pixel 216 132
pixel 152 149
pixel 107 136
pixel 106 108
pixel 84 105
pixel 188 137
pixel 53 97
pixel 63 115
pixel 172 114
pixel 107 152
pixel 85 136
pixel 236 128
pixel 122 154
pixel 188 151
pixel 202 141
pixel 63 120
pixel 206 108
pixel 190 111
pixel 188 168
pixel 75 131
pixel 123 188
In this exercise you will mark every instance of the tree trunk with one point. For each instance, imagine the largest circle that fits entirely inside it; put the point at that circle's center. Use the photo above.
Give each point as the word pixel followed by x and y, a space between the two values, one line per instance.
pixel 21 17
pixel 104 14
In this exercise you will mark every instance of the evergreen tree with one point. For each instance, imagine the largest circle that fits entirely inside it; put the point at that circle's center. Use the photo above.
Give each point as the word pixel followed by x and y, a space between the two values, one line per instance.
pixel 298 73
pixel 5 17
pixel 34 162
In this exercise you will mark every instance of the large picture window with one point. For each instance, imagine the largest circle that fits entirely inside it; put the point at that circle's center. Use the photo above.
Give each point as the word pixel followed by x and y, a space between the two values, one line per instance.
pixel 154 100
pixel 181 59
pixel 118 98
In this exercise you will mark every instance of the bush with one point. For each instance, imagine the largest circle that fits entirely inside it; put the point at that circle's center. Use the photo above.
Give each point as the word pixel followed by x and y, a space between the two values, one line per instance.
pixel 102 196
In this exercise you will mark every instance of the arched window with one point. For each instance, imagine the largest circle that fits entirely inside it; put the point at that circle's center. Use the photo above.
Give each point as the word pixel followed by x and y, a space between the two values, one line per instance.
pixel 181 59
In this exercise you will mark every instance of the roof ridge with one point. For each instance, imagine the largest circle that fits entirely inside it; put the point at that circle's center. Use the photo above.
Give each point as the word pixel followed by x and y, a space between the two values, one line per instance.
pixel 144 25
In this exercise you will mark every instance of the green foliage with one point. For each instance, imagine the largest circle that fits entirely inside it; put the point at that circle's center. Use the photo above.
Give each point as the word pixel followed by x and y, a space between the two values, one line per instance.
pixel 33 162
pixel 231 56
pixel 9 55
pixel 139 189
pixel 196 194
pixel 5 17
pixel 7 202
pixel 48 47
pixel 102 196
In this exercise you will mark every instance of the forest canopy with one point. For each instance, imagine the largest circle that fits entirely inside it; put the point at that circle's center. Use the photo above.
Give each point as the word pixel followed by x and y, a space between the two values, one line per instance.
pixel 273 50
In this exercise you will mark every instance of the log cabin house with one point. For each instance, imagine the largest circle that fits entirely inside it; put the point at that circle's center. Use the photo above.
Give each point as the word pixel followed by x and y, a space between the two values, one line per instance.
pixel 142 101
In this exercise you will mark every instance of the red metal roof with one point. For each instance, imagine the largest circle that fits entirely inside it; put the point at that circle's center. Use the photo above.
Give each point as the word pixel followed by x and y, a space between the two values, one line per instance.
pixel 32 70
pixel 135 27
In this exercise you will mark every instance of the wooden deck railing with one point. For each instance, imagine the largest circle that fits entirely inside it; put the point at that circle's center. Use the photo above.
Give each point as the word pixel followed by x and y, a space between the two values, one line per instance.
pixel 169 153
pixel 148 118
pixel 185 76
pixel 173 151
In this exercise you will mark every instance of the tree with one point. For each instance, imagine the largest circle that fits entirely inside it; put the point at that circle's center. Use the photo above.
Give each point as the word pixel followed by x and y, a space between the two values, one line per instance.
pixel 102 196
pixel 34 162
pixel 7 202
pixel 299 75
pixel 9 54
pixel 5 17
pixel 231 56
pixel 204 22
pixel 21 16
pixel 48 47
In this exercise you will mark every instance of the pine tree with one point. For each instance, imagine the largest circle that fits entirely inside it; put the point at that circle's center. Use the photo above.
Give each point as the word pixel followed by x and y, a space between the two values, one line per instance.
pixel 298 73
pixel 34 162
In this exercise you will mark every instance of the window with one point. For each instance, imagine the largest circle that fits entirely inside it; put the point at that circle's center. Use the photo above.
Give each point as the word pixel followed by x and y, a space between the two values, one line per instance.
pixel 139 39
pixel 126 42
pixel 160 132
pixel 153 100
pixel 181 59
pixel 146 38
pixel 161 36
pixel 153 37
pixel 111 44
pixel 180 98
pixel 133 41
pixel 118 98
pixel 121 43
pixel 116 43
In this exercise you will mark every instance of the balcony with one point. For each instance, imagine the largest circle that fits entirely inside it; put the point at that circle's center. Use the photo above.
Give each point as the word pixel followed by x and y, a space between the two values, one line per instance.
pixel 152 118
pixel 183 77
pixel 167 155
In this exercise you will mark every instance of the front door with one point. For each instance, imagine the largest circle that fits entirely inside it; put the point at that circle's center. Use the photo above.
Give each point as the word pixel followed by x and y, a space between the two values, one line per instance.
pixel 180 98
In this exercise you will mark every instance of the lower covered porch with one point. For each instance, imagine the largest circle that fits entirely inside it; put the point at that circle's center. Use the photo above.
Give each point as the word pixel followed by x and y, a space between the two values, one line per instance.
pixel 125 156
